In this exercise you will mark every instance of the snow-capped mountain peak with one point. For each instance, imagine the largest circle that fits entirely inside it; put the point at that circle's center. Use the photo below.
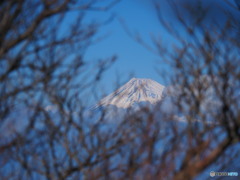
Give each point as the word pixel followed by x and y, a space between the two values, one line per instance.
pixel 135 91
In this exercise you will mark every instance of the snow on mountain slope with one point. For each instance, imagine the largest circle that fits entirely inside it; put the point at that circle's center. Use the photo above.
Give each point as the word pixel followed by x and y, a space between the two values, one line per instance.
pixel 134 91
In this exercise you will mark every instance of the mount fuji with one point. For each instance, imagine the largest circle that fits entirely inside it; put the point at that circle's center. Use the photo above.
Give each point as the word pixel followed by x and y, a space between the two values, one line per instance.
pixel 133 92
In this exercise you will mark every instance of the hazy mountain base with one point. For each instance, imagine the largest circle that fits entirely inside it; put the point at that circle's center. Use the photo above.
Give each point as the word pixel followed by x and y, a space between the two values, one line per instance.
pixel 127 133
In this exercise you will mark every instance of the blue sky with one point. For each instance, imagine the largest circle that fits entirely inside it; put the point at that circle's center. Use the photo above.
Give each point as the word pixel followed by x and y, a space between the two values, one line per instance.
pixel 134 60
pixel 140 17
